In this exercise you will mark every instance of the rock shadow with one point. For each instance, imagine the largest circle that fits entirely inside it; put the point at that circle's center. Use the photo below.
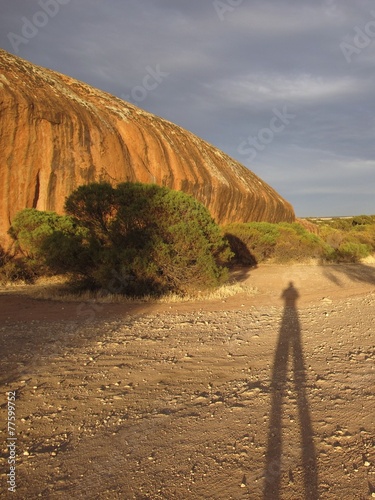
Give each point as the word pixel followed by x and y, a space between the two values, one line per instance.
pixel 289 350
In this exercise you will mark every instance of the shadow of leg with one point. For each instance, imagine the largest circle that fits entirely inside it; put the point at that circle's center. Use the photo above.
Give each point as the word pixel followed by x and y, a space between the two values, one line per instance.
pixel 274 446
pixel 307 435
pixel 289 344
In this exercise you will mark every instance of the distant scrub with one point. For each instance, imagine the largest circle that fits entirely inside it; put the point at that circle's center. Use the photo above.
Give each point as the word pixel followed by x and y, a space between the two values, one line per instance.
pixel 135 239
pixel 350 239
pixel 352 252
pixel 345 240
pixel 282 242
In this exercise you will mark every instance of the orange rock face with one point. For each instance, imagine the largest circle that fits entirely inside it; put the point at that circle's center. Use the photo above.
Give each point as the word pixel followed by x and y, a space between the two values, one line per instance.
pixel 57 133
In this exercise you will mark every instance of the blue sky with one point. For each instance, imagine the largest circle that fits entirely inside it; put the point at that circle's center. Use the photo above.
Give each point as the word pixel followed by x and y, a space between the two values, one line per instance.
pixel 284 86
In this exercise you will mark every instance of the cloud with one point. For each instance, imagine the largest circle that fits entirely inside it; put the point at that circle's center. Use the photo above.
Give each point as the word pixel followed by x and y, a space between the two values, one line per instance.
pixel 226 76
pixel 267 89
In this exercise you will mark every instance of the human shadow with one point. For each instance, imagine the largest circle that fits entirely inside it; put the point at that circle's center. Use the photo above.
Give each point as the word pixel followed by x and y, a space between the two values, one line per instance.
pixel 289 347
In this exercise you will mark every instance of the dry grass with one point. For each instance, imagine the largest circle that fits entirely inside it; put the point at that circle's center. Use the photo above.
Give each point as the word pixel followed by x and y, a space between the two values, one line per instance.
pixel 56 289
pixel 224 292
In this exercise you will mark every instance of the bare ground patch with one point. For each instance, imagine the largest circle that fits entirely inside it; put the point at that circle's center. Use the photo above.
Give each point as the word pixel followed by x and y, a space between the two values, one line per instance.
pixel 250 396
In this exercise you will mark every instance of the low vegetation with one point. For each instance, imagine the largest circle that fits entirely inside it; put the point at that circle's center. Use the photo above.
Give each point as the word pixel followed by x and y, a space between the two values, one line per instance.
pixel 334 240
pixel 142 240
pixel 135 239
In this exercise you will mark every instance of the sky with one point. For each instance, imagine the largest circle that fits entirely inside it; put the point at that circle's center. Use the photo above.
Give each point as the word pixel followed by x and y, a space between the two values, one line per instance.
pixel 286 87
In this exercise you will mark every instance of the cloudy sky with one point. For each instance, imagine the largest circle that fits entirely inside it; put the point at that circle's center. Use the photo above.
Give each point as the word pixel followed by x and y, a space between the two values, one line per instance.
pixel 284 86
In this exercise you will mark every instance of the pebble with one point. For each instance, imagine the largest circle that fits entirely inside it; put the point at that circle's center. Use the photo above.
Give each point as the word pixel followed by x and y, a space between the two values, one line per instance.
pixel 228 325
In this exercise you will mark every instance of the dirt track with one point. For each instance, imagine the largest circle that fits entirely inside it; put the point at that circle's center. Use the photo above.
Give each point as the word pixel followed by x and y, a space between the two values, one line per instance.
pixel 256 397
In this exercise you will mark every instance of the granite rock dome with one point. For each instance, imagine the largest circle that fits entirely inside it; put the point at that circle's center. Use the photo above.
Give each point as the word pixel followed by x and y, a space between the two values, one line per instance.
pixel 57 133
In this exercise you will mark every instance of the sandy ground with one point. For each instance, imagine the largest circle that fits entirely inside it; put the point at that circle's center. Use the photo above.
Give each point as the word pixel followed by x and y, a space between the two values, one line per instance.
pixel 261 396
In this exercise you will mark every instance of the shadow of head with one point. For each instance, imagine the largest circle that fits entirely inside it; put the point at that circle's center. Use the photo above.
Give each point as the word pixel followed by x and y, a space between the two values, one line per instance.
pixel 290 295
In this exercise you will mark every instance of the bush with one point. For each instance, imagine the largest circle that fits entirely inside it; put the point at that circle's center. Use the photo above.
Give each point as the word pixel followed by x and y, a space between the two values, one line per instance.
pixel 295 243
pixel 263 241
pixel 241 252
pixel 135 239
pixel 287 242
pixel 351 244
pixel 352 252
pixel 46 241
pixel 4 257
pixel 252 242
pixel 363 220
pixel 365 235
pixel 332 237
pixel 31 228
pixel 16 269
pixel 94 206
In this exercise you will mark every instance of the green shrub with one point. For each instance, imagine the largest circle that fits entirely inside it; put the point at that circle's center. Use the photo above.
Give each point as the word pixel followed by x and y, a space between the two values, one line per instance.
pixel 352 252
pixel 283 242
pixel 335 240
pixel 365 234
pixel 297 244
pixel 241 252
pixel 362 220
pixel 30 228
pixel 252 242
pixel 47 241
pixel 135 239
pixel 332 237
pixel 94 206
pixel 351 244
